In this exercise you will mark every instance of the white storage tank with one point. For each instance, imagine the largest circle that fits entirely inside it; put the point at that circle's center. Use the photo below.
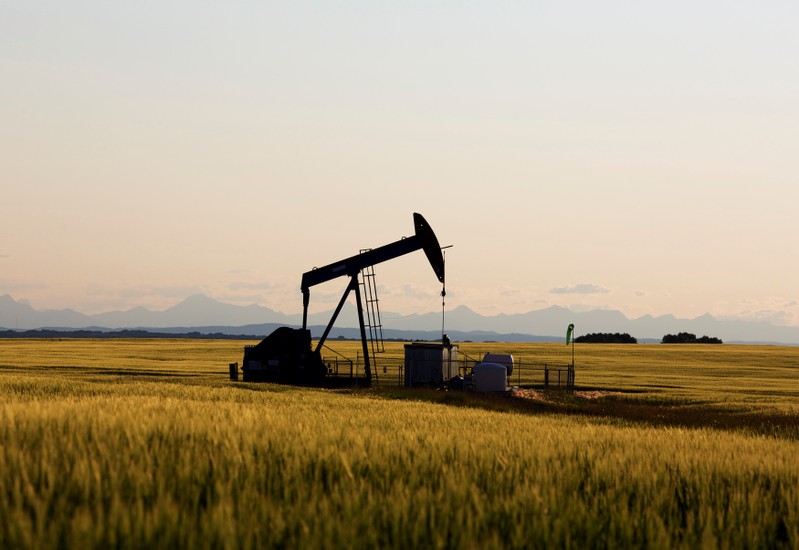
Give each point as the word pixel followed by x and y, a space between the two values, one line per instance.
pixel 490 377
pixel 501 359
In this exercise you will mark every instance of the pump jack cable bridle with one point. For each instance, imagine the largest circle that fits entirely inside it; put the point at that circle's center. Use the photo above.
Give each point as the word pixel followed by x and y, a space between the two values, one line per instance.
pixel 443 292
pixel 443 303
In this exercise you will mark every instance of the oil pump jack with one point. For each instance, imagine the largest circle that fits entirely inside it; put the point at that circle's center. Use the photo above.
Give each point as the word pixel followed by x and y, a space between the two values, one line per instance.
pixel 286 355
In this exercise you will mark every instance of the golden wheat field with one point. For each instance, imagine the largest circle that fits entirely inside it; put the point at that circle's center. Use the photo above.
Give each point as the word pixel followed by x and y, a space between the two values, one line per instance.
pixel 147 443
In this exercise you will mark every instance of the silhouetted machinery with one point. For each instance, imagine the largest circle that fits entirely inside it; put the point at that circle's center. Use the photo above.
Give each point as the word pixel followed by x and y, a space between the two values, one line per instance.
pixel 286 355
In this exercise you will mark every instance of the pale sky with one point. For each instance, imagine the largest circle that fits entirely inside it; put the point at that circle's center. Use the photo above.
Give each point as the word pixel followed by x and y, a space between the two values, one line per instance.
pixel 637 156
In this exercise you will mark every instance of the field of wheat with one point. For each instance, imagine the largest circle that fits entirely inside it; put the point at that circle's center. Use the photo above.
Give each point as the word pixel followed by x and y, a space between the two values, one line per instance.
pixel 147 443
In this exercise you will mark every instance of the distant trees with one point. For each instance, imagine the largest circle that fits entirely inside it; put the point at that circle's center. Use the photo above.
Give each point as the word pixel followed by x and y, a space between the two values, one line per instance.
pixel 606 338
pixel 688 338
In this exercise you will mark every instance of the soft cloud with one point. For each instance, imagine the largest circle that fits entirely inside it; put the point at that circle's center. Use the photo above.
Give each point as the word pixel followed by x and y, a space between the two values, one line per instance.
pixel 98 297
pixel 408 292
pixel 259 285
pixel 775 317
pixel 583 288
pixel 583 308
pixel 161 291
pixel 17 286
pixel 241 299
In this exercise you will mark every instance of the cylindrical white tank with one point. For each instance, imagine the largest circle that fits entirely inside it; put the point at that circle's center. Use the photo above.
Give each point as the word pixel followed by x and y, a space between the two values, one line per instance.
pixel 490 377
pixel 502 359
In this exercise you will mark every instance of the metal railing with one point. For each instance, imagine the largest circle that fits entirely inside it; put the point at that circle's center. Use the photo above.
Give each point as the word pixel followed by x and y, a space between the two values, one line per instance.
pixel 334 364
pixel 525 373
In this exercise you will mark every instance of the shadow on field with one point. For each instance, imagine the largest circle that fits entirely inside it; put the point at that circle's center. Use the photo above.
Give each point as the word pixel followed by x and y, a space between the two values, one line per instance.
pixel 601 404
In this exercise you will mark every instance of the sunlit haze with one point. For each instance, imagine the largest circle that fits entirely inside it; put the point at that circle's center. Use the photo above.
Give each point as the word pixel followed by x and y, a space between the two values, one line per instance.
pixel 631 156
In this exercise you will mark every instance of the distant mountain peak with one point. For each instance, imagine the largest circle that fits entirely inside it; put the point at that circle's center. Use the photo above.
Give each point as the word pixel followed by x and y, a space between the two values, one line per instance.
pixel 199 299
pixel 705 317
pixel 199 310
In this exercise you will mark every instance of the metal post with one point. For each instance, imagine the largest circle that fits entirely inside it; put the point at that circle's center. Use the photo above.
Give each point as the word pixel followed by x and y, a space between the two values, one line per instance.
pixel 367 369
pixel 572 352
pixel 306 299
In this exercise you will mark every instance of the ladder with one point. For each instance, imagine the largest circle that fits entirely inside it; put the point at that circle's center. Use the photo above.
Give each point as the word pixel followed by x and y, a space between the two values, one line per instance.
pixel 373 323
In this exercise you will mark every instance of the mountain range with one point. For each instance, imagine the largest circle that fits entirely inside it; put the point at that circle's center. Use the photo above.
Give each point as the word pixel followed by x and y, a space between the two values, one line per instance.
pixel 207 315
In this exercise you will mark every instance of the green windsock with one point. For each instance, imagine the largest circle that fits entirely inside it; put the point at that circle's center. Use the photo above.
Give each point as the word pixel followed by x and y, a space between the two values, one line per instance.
pixel 569 332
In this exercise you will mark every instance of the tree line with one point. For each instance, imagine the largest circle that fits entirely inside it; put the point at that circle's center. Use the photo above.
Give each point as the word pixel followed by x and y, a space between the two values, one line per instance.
pixel 625 338
pixel 688 338
pixel 606 338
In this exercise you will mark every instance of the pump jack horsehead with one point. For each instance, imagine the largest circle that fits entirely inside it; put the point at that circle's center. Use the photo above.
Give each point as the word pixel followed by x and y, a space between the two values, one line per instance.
pixel 286 356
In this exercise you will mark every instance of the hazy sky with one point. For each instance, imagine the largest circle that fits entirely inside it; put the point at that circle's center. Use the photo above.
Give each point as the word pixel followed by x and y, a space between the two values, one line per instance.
pixel 639 156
